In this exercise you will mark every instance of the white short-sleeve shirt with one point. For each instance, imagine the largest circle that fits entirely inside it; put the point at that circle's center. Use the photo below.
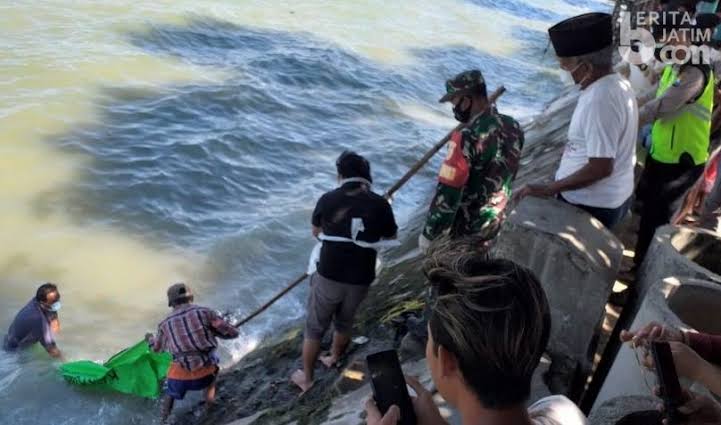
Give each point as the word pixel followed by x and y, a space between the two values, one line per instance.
pixel 604 125
pixel 556 410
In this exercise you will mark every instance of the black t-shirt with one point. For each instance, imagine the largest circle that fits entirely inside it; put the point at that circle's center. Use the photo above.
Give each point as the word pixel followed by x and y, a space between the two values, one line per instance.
pixel 344 261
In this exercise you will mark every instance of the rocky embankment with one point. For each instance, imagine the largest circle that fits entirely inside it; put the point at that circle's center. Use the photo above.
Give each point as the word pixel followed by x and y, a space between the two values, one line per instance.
pixel 257 390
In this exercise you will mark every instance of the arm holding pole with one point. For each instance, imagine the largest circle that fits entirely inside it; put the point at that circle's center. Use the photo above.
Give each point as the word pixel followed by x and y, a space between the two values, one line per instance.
pixel 388 195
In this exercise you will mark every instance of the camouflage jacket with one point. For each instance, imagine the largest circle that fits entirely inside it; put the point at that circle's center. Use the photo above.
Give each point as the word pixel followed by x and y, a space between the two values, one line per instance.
pixel 474 183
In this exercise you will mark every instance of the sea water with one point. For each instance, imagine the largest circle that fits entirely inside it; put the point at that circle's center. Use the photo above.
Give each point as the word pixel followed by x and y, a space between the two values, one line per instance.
pixel 145 143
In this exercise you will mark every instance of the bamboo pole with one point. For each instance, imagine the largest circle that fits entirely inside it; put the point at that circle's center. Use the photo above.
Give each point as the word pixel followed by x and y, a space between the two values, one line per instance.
pixel 388 195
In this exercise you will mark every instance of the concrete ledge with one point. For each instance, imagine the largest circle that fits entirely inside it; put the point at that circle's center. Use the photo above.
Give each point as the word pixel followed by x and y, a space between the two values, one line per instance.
pixel 689 304
pixel 576 260
pixel 681 251
pixel 615 410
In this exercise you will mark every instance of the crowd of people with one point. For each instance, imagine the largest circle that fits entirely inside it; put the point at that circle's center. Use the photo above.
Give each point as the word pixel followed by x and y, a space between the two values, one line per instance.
pixel 488 320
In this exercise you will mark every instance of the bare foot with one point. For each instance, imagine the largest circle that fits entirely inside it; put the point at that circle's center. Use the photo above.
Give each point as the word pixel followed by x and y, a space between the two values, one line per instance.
pixel 329 361
pixel 298 378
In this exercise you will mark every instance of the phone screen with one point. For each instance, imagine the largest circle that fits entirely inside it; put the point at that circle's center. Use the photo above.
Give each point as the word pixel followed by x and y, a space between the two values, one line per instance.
pixel 667 379
pixel 389 385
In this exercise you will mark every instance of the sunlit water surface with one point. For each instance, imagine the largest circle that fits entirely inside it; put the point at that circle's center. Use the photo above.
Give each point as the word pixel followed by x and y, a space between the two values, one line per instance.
pixel 142 144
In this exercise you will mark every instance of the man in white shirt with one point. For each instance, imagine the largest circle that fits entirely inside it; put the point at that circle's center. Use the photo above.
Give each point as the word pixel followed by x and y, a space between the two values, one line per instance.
pixel 489 325
pixel 597 168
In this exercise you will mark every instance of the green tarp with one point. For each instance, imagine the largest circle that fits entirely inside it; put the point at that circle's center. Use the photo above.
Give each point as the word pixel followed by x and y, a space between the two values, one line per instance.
pixel 136 370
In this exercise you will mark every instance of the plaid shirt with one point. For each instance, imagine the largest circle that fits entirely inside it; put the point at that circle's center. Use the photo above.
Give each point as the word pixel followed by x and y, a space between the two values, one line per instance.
pixel 190 334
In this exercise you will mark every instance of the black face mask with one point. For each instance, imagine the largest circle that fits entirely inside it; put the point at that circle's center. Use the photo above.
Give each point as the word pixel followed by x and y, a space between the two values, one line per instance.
pixel 462 115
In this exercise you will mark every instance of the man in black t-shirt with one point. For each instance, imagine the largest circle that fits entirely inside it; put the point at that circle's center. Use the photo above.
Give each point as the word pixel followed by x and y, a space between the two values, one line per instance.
pixel 352 222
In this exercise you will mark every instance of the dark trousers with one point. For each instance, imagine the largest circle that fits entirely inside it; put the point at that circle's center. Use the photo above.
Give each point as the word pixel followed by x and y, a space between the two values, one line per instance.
pixel 660 192
pixel 609 217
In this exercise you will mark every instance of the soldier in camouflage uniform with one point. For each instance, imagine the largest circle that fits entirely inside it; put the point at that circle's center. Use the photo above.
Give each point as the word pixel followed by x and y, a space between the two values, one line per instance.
pixel 474 183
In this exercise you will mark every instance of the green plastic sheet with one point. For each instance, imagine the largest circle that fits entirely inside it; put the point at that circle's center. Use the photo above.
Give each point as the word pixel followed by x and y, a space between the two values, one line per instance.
pixel 137 370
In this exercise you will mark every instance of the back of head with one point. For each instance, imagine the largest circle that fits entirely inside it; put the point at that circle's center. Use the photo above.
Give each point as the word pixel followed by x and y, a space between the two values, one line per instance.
pixel 179 294
pixel 41 295
pixel 351 165
pixel 493 316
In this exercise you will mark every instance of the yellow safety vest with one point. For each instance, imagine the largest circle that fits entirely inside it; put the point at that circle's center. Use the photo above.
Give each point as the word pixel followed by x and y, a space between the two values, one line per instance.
pixel 688 130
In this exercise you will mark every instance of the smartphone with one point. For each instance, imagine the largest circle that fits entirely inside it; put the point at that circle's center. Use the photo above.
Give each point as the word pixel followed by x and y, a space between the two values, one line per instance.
pixel 668 381
pixel 389 385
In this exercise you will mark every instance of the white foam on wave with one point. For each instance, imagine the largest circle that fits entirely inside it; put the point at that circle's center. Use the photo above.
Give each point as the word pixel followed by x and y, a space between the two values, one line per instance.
pixel 385 31
pixel 9 370
pixel 55 59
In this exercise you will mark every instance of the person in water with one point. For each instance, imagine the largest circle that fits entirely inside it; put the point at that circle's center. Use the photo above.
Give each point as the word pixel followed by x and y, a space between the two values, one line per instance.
pixel 190 335
pixel 349 220
pixel 474 182
pixel 37 322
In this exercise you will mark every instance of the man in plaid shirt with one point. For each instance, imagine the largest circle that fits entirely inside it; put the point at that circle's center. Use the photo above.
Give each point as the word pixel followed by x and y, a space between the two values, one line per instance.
pixel 190 335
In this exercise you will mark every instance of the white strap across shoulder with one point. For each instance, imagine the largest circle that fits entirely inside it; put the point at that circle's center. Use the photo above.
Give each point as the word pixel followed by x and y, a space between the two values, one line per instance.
pixel 386 243
pixel 355 180
pixel 357 227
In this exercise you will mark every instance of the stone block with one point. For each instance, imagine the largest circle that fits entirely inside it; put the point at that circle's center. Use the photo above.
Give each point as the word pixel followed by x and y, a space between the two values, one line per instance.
pixel 575 258
pixel 683 252
pixel 688 304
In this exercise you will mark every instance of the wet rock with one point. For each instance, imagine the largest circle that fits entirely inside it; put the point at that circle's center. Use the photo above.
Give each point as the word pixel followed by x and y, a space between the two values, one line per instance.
pixel 249 420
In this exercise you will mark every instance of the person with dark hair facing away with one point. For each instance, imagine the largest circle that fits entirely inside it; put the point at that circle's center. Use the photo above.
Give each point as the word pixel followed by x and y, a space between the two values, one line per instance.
pixel 190 335
pixel 37 322
pixel 474 183
pixel 488 329
pixel 352 222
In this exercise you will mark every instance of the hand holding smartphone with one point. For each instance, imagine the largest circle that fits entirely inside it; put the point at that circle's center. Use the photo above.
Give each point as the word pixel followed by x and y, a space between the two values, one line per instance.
pixel 389 385
pixel 671 391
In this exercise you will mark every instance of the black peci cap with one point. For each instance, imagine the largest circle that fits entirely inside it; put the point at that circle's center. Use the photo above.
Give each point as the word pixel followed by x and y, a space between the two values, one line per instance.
pixel 582 34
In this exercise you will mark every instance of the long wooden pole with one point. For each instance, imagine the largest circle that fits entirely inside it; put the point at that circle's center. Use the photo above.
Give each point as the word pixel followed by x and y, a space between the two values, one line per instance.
pixel 278 296
pixel 403 180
